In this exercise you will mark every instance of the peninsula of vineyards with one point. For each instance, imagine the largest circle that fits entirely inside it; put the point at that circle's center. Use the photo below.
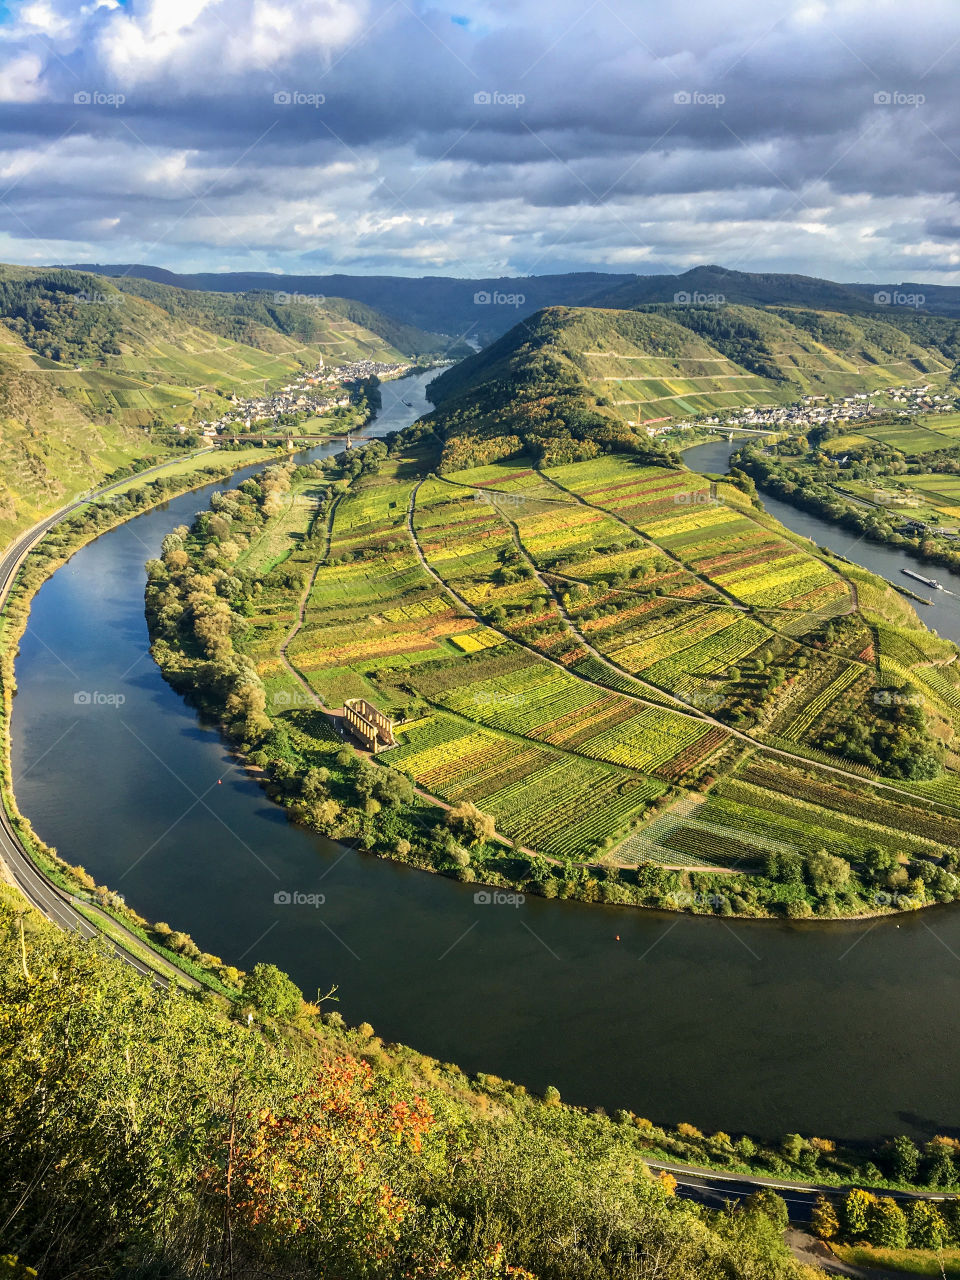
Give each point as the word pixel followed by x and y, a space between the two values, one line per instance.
pixel 599 674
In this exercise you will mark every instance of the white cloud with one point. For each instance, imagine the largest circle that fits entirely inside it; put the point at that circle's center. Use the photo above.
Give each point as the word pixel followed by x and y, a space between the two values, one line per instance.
pixel 20 79
pixel 797 169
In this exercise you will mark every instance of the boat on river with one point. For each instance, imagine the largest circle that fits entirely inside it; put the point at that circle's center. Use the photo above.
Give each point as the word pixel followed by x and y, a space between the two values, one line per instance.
pixel 927 582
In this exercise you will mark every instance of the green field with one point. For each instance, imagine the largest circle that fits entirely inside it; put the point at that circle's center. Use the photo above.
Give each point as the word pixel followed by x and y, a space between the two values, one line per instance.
pixel 598 655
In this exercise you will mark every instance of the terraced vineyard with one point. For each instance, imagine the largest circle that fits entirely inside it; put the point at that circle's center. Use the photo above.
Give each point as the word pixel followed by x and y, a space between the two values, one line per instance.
pixel 614 662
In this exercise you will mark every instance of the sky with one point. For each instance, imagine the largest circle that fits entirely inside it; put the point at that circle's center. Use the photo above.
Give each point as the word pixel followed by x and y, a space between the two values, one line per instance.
pixel 476 139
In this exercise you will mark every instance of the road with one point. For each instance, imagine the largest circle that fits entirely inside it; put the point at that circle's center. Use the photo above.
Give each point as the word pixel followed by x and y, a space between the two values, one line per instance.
pixel 714 1189
pixel 55 903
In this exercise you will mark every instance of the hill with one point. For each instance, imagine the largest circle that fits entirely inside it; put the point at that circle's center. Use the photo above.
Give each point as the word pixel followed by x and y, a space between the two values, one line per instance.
pixel 266 317
pixel 756 289
pixel 92 376
pixel 446 304
pixel 591 376
pixel 442 304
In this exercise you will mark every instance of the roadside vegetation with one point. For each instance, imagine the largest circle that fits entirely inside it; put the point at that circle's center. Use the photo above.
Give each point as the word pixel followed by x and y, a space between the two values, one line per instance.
pixel 158 1134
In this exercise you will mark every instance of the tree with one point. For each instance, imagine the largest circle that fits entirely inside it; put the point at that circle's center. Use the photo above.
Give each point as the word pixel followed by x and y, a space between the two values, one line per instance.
pixel 925 1226
pixel 772 1206
pixel 823 1220
pixel 828 873
pixel 793 1147
pixel 470 822
pixel 392 788
pixel 886 1224
pixel 320 1176
pixel 272 992
pixel 939 1169
pixel 903 1158
pixel 855 1208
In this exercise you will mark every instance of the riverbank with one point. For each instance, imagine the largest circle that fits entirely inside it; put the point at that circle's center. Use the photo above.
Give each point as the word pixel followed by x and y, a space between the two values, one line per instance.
pixel 60 537
pixel 46 877
pixel 673 986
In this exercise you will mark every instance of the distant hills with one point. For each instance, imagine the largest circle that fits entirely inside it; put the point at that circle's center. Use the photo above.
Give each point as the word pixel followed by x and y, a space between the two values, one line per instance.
pixel 444 304
pixel 569 380
pixel 439 304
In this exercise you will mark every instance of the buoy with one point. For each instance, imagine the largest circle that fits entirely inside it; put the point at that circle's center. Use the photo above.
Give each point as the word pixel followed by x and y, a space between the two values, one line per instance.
pixel 618 937
pixel 219 782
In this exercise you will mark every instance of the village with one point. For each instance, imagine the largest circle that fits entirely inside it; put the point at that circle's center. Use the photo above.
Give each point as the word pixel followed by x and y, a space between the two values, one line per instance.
pixel 811 411
pixel 319 392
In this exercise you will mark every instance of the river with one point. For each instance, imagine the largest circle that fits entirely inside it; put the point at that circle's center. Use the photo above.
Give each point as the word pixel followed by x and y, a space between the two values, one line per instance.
pixel 763 1027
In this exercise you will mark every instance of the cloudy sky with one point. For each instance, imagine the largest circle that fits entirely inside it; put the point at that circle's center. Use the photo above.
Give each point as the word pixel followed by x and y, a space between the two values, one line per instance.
pixel 511 136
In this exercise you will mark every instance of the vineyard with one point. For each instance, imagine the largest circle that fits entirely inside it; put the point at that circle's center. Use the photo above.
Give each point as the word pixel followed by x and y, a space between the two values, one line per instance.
pixel 582 646
pixel 707 530
pixel 559 804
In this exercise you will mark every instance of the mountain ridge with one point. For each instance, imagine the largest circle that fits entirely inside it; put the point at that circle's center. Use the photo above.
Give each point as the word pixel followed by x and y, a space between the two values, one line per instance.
pixel 446 304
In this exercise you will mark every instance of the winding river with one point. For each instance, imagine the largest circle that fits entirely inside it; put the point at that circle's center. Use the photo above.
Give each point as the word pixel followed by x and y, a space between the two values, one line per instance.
pixel 843 1029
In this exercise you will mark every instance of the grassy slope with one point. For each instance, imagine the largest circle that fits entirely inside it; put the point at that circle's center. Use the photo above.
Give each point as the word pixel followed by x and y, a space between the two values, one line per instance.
pixel 80 380
pixel 672 361
pixel 266 318
pixel 119 1116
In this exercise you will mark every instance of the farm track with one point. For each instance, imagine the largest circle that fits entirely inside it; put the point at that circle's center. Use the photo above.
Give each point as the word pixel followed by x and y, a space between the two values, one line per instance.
pixel 653 546
pixel 681 707
pixel 727 602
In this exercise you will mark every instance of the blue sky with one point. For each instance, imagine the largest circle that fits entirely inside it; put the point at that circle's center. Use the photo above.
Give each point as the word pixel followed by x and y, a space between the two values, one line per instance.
pixel 505 136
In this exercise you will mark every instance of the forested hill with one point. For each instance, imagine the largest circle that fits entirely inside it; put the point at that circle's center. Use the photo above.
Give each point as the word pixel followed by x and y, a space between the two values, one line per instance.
pixel 263 317
pixel 570 381
pixel 531 391
pixel 486 307
pixel 94 376
pixel 480 308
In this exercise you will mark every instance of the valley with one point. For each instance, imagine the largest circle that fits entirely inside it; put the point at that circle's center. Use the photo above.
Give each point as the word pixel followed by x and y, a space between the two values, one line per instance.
pixel 610 679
